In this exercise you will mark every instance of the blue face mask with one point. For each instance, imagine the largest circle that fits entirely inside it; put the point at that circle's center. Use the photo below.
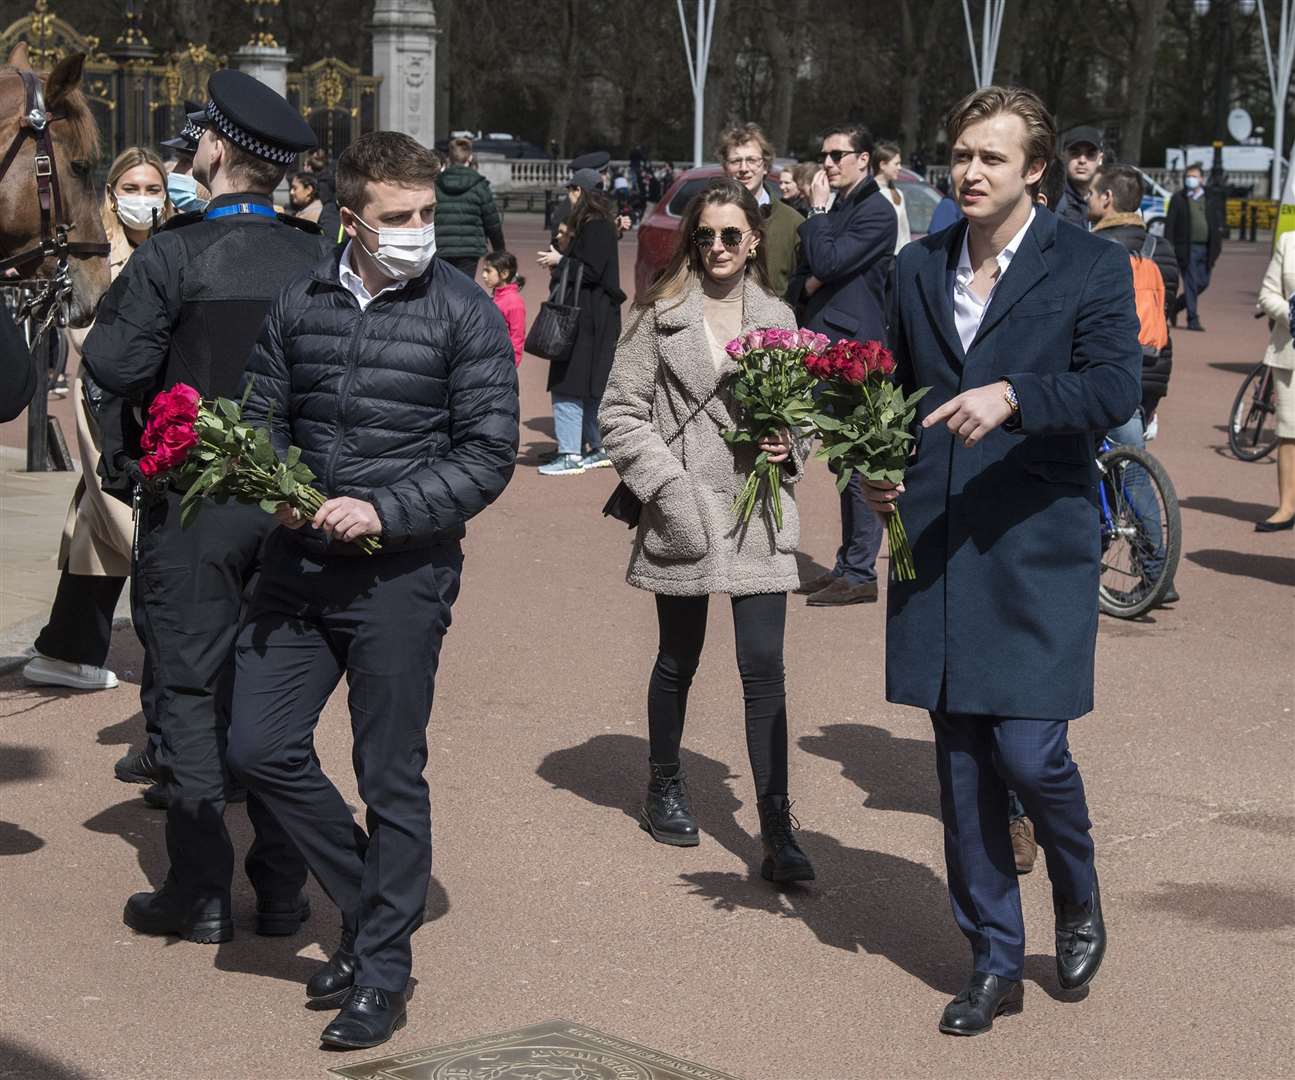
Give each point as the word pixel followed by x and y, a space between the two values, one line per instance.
pixel 183 190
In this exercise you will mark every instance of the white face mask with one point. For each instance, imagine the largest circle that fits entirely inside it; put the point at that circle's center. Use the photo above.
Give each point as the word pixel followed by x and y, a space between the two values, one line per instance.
pixel 403 254
pixel 136 211
pixel 1192 182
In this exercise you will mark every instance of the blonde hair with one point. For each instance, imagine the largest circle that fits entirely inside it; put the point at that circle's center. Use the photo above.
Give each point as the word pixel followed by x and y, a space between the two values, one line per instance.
pixel 1040 129
pixel 742 134
pixel 130 158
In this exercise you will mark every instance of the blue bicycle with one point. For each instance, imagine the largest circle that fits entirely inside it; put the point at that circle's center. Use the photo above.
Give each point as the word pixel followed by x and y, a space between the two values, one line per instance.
pixel 1141 530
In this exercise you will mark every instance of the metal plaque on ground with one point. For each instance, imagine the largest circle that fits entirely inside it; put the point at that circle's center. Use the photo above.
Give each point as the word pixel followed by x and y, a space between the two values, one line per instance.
pixel 555 1050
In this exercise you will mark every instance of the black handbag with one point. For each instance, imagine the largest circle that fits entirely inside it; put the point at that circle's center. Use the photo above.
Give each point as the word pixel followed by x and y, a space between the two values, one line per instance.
pixel 623 504
pixel 554 330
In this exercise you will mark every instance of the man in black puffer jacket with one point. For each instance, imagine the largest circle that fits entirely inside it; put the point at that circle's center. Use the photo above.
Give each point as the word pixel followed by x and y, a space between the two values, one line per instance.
pixel 466 214
pixel 394 376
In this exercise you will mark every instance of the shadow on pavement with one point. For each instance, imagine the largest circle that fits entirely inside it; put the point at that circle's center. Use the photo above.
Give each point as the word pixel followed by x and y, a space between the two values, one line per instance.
pixel 1234 367
pixel 896 773
pixel 1041 969
pixel 869 900
pixel 24 1063
pixel 1277 569
pixel 143 829
pixel 808 567
pixel 1251 908
pixel 1229 508
pixel 128 732
pixel 19 763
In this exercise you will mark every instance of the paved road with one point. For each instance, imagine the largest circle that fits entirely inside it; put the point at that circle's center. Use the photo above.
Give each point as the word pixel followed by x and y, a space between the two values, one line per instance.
pixel 548 900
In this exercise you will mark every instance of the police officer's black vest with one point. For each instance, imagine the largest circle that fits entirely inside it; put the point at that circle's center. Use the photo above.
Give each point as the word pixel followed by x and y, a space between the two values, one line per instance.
pixel 233 268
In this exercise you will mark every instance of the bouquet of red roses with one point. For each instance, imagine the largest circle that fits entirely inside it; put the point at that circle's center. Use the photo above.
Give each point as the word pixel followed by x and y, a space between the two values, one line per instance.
pixel 864 421
pixel 774 391
pixel 207 450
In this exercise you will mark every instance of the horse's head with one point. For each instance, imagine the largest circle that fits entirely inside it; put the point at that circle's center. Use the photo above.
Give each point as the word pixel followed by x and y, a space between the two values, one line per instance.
pixel 75 138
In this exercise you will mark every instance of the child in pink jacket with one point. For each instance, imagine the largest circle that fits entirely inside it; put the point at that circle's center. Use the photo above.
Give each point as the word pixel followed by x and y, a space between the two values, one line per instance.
pixel 499 275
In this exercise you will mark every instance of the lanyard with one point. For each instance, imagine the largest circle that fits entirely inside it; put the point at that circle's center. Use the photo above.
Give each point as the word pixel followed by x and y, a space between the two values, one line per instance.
pixel 241 208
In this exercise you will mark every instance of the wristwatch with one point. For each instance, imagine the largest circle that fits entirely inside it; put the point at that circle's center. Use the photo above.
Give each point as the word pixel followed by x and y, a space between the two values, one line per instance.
pixel 1009 395
pixel 815 210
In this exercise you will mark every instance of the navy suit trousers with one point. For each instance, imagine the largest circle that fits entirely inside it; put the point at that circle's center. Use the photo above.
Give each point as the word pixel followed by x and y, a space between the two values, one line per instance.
pixel 978 759
pixel 379 620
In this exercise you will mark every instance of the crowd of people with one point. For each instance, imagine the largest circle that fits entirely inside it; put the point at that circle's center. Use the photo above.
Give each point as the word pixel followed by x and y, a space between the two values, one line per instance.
pixel 355 326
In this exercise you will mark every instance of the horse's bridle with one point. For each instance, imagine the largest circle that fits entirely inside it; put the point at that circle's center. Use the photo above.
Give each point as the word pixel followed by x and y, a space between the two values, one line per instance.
pixel 34 124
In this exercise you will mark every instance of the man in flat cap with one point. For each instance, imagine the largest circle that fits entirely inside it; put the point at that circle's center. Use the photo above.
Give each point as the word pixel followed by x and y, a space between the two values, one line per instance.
pixel 187 309
pixel 181 187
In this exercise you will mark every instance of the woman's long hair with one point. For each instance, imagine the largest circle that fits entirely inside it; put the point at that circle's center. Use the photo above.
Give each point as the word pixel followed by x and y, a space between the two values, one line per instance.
pixel 593 206
pixel 122 164
pixel 686 265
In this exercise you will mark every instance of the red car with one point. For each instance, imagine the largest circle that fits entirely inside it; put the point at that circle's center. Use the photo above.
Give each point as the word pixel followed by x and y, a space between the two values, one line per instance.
pixel 660 229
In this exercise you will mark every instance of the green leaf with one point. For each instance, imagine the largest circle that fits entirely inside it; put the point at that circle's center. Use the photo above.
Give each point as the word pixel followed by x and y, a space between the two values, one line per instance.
pixel 270 505
pixel 262 451
pixel 287 483
pixel 294 455
pixel 827 423
pixel 247 393
pixel 229 409
pixel 843 479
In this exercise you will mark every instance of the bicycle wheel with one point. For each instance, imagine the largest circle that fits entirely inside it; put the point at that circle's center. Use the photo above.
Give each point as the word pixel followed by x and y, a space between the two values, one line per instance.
pixel 1141 532
pixel 1252 425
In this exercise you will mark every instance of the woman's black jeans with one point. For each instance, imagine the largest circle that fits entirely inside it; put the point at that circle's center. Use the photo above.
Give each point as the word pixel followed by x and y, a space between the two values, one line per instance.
pixel 758 622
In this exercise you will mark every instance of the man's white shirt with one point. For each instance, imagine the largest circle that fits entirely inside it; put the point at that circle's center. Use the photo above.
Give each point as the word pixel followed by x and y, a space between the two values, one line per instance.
pixel 968 309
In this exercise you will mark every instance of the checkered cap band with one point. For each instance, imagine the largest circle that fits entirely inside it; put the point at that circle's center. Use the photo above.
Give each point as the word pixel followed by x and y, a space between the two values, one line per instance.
pixel 247 141
pixel 191 131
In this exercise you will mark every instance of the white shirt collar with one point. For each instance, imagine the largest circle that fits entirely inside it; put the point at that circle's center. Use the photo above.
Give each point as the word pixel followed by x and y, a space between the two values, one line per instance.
pixel 968 309
pixel 1004 258
pixel 762 196
pixel 354 284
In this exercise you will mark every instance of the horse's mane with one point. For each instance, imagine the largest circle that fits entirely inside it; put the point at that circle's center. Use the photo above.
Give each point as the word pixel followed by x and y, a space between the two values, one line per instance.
pixel 81 127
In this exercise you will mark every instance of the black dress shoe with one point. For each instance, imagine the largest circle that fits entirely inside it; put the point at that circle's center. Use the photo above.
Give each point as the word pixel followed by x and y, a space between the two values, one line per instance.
pixel 986 997
pixel 1081 940
pixel 783 858
pixel 279 918
pixel 139 769
pixel 667 812
pixel 207 922
pixel 1275 526
pixel 330 986
pixel 369 1018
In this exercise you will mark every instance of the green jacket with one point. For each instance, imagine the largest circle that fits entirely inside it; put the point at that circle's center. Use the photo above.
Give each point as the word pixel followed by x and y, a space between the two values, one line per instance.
pixel 781 244
pixel 466 215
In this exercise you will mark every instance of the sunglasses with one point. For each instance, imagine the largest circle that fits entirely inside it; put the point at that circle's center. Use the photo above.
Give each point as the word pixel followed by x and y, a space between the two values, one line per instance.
pixel 835 155
pixel 731 237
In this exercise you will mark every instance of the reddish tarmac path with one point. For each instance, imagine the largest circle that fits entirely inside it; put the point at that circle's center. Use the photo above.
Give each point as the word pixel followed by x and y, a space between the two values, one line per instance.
pixel 548 901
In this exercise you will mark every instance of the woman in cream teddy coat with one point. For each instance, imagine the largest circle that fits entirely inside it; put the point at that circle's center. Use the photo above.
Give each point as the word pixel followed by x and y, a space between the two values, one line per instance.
pixel 662 419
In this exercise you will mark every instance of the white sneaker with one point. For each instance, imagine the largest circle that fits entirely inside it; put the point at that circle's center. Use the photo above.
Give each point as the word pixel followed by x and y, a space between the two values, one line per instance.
pixel 46 672
pixel 1153 429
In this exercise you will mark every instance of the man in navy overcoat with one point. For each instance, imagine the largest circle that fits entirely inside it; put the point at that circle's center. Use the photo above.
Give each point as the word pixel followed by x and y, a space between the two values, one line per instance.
pixel 1025 329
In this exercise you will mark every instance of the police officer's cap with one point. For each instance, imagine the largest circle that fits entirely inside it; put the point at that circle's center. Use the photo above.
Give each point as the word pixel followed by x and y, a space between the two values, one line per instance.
pixel 195 119
pixel 595 159
pixel 256 119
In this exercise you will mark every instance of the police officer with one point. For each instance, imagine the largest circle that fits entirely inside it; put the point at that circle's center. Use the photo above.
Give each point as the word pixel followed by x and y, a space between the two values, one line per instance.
pixel 187 308
pixel 181 187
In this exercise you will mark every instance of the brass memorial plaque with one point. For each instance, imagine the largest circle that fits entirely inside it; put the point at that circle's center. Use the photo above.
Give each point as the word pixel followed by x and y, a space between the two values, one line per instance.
pixel 555 1050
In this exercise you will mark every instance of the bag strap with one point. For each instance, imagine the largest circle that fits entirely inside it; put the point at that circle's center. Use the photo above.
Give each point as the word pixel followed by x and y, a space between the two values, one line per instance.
pixel 562 285
pixel 693 416
pixel 580 276
pixel 1149 246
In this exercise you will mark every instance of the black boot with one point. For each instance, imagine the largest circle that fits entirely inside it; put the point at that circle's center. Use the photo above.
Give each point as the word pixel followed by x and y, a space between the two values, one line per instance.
pixel 140 768
pixel 279 918
pixel 666 812
pixel 330 986
pixel 208 922
pixel 369 1018
pixel 1081 940
pixel 783 859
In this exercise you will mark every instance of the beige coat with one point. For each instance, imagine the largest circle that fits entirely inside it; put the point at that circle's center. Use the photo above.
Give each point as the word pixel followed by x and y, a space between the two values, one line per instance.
pixel 689 542
pixel 99 529
pixel 1274 298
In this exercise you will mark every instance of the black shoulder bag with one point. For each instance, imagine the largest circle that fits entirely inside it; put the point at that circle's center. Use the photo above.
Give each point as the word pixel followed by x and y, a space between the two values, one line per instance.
pixel 554 330
pixel 624 505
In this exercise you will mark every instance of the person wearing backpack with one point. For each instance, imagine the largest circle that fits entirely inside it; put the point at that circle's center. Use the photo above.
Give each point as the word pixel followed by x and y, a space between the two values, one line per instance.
pixel 1114 198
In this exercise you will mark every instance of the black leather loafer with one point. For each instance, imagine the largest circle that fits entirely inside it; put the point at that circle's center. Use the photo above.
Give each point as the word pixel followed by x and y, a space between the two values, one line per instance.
pixel 985 997
pixel 279 918
pixel 369 1018
pixel 1081 940
pixel 163 912
pixel 330 986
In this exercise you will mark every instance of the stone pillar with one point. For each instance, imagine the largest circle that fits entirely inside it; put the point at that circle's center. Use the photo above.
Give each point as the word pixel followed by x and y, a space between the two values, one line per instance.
pixel 266 63
pixel 404 55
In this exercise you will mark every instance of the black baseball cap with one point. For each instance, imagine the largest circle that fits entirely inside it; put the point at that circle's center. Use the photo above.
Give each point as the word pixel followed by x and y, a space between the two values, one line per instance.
pixel 1078 135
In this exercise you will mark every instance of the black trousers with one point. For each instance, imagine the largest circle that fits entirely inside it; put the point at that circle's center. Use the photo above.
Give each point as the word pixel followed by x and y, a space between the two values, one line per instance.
pixel 465 264
pixel 188 593
pixel 758 623
pixel 79 630
pixel 379 620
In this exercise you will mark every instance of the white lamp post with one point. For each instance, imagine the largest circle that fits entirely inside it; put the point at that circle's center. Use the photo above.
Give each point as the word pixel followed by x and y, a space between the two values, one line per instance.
pixel 1279 81
pixel 982 66
pixel 698 61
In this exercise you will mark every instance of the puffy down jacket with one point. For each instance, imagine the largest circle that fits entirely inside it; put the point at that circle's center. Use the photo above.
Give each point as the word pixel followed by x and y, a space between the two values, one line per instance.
pixel 466 215
pixel 410 404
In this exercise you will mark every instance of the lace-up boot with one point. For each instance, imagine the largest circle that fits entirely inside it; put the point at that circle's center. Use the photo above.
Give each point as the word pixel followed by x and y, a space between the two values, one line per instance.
pixel 331 984
pixel 666 812
pixel 783 858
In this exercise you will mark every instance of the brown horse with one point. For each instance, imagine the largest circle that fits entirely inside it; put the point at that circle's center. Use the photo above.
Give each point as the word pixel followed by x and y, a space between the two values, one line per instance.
pixel 75 138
